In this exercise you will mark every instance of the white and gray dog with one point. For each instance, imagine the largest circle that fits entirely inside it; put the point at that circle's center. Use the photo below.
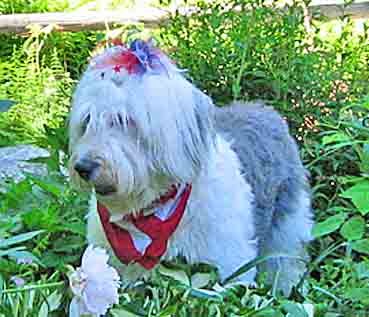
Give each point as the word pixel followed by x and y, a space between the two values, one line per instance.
pixel 172 175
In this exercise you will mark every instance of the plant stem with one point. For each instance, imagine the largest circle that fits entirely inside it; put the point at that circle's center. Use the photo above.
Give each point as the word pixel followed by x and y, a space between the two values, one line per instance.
pixel 31 287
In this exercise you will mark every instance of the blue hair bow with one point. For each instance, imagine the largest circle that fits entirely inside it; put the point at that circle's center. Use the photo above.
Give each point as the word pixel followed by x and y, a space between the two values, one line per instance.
pixel 148 56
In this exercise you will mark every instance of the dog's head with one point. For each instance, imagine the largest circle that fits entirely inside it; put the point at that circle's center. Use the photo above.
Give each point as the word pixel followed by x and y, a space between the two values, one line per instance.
pixel 137 126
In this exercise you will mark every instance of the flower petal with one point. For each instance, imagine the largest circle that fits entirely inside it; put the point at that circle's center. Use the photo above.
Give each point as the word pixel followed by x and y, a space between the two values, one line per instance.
pixel 95 283
pixel 77 281
pixel 77 308
pixel 100 295
pixel 94 259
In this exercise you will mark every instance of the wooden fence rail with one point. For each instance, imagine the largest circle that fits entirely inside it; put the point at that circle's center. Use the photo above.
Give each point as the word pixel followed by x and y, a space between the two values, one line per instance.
pixel 150 17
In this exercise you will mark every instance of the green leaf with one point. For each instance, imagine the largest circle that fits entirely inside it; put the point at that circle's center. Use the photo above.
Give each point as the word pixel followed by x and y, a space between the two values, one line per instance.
pixel 52 188
pixel 121 312
pixel 255 262
pixel 353 229
pixel 358 294
pixel 329 225
pixel 362 269
pixel 335 138
pixel 18 255
pixel 2 283
pixel 44 310
pixel 169 311
pixel 200 280
pixel 361 246
pixel 359 194
pixel 75 227
pixel 53 302
pixel 309 308
pixel 294 310
pixel 364 164
pixel 177 275
pixel 205 294
pixel 267 312
pixel 9 252
pixel 19 238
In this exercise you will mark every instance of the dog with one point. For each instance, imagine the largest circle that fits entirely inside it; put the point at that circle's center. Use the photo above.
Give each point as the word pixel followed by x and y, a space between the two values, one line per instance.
pixel 173 175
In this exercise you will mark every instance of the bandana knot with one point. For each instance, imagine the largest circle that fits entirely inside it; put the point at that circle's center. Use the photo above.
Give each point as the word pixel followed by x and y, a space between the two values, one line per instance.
pixel 144 238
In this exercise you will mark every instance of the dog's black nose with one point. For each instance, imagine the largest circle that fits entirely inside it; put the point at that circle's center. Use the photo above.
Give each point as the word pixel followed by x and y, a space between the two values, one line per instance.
pixel 86 168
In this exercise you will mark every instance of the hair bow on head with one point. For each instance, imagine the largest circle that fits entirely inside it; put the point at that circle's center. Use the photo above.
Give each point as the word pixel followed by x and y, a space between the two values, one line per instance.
pixel 148 55
pixel 139 58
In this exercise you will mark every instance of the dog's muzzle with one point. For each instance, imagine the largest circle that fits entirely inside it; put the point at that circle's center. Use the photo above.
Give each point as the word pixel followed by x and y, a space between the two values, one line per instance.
pixel 91 171
pixel 86 169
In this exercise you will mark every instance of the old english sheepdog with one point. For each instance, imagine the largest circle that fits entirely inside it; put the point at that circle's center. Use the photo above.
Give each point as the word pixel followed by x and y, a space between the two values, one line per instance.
pixel 173 175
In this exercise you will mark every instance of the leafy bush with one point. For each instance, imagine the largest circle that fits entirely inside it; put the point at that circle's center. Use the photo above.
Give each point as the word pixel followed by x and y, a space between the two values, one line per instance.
pixel 40 96
pixel 265 53
pixel 38 77
pixel 51 207
pixel 28 6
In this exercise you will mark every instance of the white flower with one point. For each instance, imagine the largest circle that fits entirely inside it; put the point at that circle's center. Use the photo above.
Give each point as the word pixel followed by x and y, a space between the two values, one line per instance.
pixel 95 284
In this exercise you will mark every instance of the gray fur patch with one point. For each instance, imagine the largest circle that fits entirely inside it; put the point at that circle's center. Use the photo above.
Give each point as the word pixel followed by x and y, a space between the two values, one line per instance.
pixel 272 166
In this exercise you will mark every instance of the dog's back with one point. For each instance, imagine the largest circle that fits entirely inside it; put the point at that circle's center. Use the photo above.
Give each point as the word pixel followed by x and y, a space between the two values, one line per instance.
pixel 272 166
pixel 261 139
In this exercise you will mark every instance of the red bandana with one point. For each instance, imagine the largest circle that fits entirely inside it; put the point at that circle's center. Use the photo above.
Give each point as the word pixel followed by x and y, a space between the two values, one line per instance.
pixel 146 237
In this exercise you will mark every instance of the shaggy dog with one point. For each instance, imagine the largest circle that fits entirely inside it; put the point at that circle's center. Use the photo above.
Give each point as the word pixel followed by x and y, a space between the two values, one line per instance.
pixel 172 175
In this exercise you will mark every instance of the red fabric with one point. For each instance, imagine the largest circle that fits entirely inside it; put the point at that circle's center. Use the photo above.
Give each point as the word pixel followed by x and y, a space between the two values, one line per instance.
pixel 125 59
pixel 158 230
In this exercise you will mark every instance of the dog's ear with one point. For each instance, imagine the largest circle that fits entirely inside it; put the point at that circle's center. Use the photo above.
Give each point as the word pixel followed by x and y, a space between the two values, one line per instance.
pixel 204 113
pixel 203 137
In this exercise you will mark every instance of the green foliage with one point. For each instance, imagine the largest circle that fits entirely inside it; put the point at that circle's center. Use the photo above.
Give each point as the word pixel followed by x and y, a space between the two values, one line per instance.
pixel 266 53
pixel 353 229
pixel 359 194
pixel 329 225
pixel 36 6
pixel 41 89
pixel 37 76
pixel 338 162
pixel 51 216
pixel 29 6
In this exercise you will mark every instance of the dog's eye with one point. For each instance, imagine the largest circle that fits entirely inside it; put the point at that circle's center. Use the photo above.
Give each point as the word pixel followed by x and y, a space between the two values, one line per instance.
pixel 131 123
pixel 122 122
pixel 85 123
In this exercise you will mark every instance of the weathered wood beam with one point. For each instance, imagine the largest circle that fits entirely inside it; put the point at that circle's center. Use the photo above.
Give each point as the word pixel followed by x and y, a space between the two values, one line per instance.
pixel 150 17
pixel 77 21
pixel 334 11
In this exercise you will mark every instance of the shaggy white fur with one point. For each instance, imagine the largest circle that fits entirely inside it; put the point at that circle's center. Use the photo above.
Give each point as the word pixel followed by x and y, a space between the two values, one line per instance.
pixel 207 232
pixel 134 134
